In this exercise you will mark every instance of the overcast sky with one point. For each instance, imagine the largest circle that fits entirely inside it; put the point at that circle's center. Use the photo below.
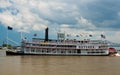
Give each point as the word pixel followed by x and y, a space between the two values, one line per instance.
pixel 73 17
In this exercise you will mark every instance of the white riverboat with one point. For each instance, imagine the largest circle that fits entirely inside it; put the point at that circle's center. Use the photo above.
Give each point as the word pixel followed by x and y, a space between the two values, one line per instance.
pixel 63 46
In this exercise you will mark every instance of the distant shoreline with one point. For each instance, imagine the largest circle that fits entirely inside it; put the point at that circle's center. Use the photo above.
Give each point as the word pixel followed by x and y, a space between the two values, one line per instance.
pixel 2 49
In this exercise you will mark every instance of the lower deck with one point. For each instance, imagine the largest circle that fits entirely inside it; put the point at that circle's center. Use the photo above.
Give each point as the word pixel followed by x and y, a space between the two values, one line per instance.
pixel 65 52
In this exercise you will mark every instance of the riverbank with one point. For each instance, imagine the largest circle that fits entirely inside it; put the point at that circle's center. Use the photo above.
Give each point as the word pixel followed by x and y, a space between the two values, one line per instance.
pixel 2 52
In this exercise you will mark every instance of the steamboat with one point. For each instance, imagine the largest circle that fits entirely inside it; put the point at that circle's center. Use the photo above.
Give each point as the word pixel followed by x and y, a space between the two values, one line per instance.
pixel 63 46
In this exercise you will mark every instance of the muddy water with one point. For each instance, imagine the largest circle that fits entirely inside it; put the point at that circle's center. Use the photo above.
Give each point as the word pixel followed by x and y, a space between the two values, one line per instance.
pixel 59 65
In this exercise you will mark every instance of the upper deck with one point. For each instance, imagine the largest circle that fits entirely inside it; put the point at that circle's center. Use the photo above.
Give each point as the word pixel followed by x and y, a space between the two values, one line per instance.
pixel 68 41
pixel 77 44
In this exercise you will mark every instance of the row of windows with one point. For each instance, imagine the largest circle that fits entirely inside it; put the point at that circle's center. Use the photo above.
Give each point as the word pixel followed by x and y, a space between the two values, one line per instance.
pixel 92 47
pixel 86 46
pixel 73 46
pixel 63 51
pixel 47 45
pixel 96 52
pixel 66 42
pixel 52 51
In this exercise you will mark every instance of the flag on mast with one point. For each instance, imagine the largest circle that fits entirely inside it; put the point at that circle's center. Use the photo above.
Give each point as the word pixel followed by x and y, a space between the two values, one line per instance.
pixel 90 35
pixel 103 36
pixel 35 34
pixel 77 35
pixel 68 35
pixel 10 28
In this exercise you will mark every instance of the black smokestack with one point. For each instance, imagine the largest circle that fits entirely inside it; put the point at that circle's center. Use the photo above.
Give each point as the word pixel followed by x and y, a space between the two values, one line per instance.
pixel 46 34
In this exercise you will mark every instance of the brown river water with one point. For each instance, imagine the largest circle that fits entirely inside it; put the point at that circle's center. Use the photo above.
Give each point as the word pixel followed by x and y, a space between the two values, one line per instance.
pixel 59 65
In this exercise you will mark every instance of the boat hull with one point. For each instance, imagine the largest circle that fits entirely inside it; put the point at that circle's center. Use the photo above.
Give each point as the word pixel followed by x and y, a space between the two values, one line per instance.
pixel 21 53
pixel 14 53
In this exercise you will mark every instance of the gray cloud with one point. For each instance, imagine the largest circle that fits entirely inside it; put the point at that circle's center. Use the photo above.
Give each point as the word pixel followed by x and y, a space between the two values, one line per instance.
pixel 96 14
pixel 72 16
